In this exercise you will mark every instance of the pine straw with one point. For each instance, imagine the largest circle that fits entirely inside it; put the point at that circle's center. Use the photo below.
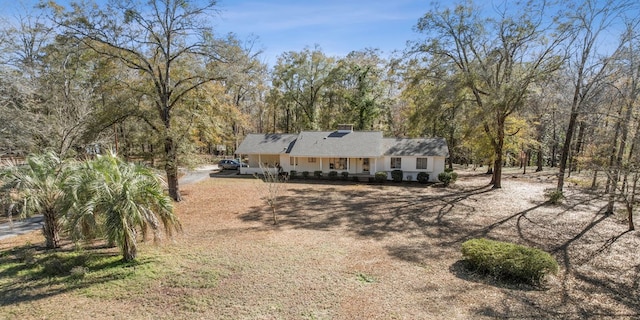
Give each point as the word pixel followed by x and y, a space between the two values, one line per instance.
pixel 359 251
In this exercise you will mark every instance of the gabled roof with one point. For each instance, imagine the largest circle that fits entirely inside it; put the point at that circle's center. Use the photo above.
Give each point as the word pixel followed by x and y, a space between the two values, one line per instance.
pixel 416 147
pixel 338 144
pixel 275 143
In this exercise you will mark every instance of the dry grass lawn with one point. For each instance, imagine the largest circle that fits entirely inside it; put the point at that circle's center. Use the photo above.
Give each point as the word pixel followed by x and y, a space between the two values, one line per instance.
pixel 351 251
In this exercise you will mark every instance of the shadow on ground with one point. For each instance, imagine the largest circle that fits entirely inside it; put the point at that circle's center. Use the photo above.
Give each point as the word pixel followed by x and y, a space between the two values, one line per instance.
pixel 433 224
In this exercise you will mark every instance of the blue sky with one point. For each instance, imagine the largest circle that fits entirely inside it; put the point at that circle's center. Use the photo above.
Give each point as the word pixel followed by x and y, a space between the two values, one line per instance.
pixel 337 26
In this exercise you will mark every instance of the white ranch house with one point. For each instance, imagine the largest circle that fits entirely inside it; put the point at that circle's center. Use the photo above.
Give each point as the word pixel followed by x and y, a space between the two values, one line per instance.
pixel 361 153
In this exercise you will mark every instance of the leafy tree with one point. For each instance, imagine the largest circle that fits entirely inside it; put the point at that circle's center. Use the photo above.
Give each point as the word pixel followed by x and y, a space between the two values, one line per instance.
pixel 168 43
pixel 497 59
pixel 112 197
pixel 303 78
pixel 37 186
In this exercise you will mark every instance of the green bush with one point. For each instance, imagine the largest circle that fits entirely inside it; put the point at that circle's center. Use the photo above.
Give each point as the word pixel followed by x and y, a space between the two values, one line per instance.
pixel 555 196
pixel 508 261
pixel 355 179
pixel 293 174
pixel 333 174
pixel 448 169
pixel 305 174
pixel 381 176
pixel 454 176
pixel 445 178
pixel 317 174
pixel 345 175
pixel 396 175
pixel 423 177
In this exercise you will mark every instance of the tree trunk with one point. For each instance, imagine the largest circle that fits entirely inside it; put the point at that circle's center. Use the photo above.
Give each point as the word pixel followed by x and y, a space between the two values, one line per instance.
pixel 129 247
pixel 624 127
pixel 275 216
pixel 539 160
pixel 171 168
pixel 497 170
pixel 630 203
pixel 51 230
pixel 566 148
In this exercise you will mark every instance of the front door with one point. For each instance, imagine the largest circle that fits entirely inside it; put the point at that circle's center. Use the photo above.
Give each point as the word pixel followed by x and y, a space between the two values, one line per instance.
pixel 365 165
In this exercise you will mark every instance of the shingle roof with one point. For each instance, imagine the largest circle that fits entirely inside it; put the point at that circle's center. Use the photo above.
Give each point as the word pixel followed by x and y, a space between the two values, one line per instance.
pixel 266 143
pixel 338 144
pixel 416 147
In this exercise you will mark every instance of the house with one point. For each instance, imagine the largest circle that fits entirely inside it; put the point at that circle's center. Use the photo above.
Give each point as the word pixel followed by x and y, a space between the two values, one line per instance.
pixel 361 153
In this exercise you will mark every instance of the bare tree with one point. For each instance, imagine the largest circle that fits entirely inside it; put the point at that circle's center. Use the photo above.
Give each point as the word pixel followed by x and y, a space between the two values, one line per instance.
pixel 586 27
pixel 274 184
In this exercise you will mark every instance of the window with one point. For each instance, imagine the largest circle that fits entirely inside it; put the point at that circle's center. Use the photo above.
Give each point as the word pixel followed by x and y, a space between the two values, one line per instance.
pixel 293 161
pixel 421 163
pixel 338 163
pixel 311 160
pixel 396 163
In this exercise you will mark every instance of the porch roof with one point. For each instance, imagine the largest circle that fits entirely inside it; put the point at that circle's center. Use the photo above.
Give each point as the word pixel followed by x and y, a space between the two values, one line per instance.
pixel 275 143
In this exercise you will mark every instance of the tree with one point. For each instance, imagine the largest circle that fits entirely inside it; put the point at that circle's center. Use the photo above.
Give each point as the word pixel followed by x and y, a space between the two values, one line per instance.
pixel 586 26
pixel 168 43
pixel 273 184
pixel 108 196
pixel 303 77
pixel 498 60
pixel 37 187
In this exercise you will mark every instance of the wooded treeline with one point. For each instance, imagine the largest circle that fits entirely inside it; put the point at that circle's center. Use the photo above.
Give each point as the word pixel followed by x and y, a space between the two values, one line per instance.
pixel 548 84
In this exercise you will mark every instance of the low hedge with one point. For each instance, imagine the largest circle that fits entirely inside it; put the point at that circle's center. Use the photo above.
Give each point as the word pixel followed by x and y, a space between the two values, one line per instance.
pixel 317 174
pixel 381 176
pixel 396 175
pixel 345 175
pixel 333 174
pixel 508 261
pixel 423 177
pixel 293 174
pixel 305 174
pixel 448 177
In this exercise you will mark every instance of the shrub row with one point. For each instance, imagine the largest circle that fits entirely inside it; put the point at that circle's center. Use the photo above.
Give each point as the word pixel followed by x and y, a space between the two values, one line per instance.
pixel 508 261
pixel 379 177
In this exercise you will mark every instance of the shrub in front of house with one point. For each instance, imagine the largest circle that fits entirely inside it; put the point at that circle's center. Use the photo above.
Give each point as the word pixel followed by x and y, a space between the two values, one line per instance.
pixel 305 174
pixel 396 175
pixel 355 179
pixel 454 176
pixel 448 169
pixel 423 177
pixel 293 174
pixel 333 174
pixel 345 175
pixel 317 174
pixel 380 177
pixel 508 261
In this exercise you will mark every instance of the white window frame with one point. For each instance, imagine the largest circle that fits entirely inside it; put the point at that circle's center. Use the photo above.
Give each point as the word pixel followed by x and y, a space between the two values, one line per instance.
pixel 418 163
pixel 397 165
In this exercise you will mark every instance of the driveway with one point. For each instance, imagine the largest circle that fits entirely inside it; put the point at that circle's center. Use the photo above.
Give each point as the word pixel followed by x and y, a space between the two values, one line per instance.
pixel 12 229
